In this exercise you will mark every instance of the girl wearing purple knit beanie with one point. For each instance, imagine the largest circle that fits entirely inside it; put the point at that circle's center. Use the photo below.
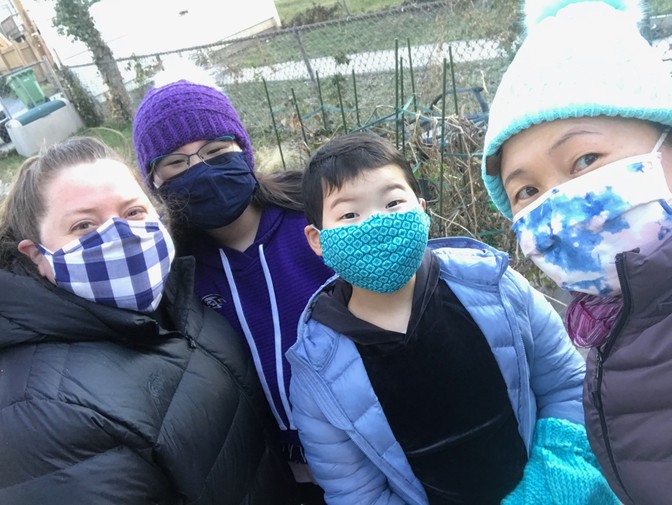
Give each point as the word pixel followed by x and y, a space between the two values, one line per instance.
pixel 253 264
pixel 578 154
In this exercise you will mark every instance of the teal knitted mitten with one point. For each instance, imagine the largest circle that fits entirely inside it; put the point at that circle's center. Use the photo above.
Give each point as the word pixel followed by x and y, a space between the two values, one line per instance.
pixel 562 469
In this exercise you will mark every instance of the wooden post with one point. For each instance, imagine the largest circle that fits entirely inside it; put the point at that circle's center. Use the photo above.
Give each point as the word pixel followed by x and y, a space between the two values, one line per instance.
pixel 304 54
pixel 34 38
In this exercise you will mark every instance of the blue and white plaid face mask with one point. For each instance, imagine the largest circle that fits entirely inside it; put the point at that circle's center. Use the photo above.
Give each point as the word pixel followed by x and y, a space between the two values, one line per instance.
pixel 380 254
pixel 122 263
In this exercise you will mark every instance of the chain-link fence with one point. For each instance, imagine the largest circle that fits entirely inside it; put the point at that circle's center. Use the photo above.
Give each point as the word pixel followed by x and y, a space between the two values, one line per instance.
pixel 423 75
pixel 346 73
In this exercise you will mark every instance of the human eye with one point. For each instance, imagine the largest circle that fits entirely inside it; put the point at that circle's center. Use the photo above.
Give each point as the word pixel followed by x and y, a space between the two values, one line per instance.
pixel 82 227
pixel 583 162
pixel 215 149
pixel 348 216
pixel 171 166
pixel 526 193
pixel 172 163
pixel 136 213
pixel 393 204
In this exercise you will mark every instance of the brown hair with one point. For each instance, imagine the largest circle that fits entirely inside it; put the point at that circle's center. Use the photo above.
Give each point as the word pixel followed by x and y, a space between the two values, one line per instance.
pixel 24 207
pixel 281 189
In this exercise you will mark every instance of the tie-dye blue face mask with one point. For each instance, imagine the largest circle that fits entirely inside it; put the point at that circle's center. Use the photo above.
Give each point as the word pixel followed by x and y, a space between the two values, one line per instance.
pixel 574 231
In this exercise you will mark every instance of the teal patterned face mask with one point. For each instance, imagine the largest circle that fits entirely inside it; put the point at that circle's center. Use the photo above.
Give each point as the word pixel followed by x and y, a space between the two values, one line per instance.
pixel 380 254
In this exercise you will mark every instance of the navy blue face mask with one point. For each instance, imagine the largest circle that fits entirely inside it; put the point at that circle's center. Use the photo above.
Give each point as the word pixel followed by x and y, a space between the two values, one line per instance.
pixel 212 195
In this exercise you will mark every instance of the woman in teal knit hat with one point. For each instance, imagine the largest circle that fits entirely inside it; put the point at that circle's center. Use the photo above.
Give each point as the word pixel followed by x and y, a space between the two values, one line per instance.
pixel 578 156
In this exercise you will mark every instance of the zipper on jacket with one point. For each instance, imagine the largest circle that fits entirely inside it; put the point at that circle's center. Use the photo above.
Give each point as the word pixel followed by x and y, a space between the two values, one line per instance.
pixel 190 341
pixel 602 355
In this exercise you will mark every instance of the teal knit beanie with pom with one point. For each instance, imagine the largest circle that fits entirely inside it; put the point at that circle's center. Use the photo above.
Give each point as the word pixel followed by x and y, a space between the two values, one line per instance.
pixel 581 58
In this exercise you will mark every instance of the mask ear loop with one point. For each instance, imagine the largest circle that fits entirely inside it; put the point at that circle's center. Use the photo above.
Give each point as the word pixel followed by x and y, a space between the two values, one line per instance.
pixel 665 204
pixel 662 138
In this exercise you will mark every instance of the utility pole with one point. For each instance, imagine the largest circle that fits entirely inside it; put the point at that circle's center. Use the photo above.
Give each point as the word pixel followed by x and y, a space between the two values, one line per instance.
pixel 34 37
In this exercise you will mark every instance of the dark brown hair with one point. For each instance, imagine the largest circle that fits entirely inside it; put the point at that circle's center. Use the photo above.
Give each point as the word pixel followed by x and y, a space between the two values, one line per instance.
pixel 281 189
pixel 343 159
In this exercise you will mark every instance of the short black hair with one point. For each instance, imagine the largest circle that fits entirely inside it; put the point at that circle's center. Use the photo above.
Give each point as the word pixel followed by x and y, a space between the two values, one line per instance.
pixel 343 159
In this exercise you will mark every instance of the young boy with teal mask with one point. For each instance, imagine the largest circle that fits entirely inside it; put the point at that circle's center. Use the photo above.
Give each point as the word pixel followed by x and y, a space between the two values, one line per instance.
pixel 428 374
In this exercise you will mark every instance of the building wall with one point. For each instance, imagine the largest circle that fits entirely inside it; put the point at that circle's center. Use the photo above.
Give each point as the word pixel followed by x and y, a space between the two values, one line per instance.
pixel 139 27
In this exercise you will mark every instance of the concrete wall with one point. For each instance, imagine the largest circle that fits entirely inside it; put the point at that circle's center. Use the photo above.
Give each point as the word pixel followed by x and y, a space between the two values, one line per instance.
pixel 139 27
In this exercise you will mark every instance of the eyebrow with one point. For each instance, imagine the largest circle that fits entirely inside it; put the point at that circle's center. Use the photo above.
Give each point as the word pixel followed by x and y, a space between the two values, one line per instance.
pixel 343 199
pixel 91 210
pixel 569 135
pixel 516 173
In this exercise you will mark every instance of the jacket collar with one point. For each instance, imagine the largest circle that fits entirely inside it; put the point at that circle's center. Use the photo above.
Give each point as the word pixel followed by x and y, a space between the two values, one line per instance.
pixel 461 259
pixel 469 261
pixel 33 310
pixel 647 281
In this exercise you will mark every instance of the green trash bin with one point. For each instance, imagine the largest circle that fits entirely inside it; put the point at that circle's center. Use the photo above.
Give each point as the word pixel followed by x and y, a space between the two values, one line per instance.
pixel 24 84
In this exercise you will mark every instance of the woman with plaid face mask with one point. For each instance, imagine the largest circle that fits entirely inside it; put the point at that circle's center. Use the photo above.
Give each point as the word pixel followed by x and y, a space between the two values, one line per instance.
pixel 116 384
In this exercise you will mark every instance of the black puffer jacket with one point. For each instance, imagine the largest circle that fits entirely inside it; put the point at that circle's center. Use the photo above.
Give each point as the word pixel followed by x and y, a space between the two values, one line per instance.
pixel 105 406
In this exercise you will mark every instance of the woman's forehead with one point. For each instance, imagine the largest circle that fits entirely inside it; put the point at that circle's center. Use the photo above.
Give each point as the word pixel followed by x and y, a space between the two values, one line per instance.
pixel 91 180
pixel 606 125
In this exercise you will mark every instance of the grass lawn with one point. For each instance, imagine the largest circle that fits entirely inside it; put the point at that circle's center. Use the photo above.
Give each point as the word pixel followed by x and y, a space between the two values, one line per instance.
pixel 287 9
pixel 659 7
pixel 290 8
pixel 9 164
pixel 419 26
pixel 116 136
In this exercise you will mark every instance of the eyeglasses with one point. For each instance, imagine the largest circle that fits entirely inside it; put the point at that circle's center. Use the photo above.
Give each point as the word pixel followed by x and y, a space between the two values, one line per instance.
pixel 166 167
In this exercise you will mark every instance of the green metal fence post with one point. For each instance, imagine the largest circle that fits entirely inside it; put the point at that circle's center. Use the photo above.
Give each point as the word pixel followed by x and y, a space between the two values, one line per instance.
pixel 396 92
pixel 403 110
pixel 277 134
pixel 298 114
pixel 410 67
pixel 322 109
pixel 452 77
pixel 354 87
pixel 340 103
pixel 443 143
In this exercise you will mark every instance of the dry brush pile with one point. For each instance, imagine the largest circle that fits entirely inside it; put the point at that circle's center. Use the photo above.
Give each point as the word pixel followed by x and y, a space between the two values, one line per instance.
pixel 457 199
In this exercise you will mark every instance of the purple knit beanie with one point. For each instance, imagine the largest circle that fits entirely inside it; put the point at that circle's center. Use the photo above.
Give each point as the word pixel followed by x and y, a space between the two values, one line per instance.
pixel 180 113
